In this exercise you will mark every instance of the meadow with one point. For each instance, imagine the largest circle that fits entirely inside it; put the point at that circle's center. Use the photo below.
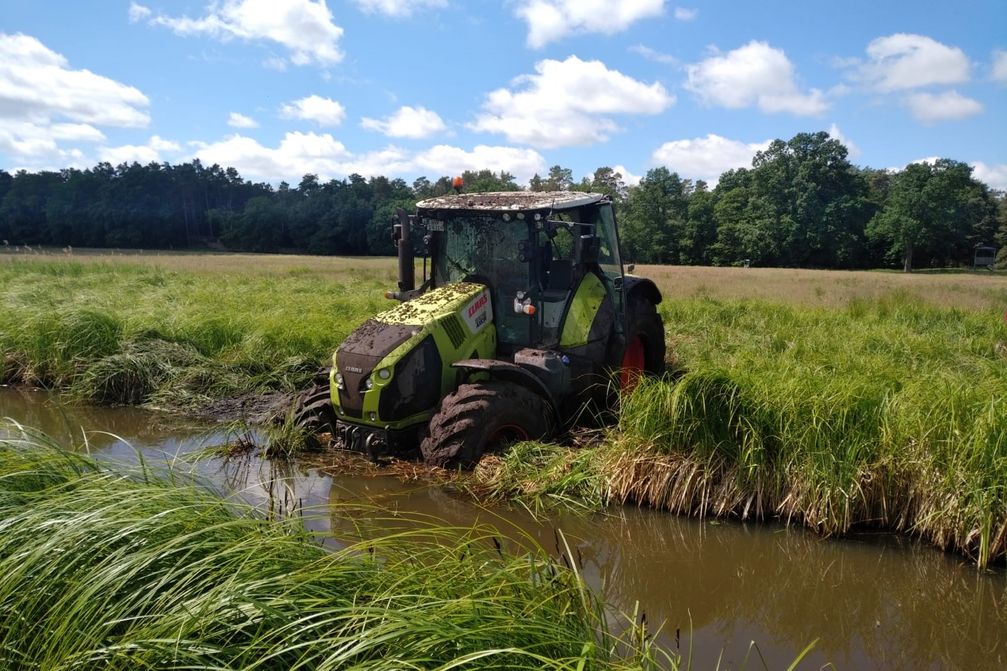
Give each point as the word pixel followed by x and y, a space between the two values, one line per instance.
pixel 831 399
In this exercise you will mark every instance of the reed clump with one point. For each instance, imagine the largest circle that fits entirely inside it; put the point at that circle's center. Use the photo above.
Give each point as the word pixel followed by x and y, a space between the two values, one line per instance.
pixel 891 415
pixel 112 569
pixel 541 475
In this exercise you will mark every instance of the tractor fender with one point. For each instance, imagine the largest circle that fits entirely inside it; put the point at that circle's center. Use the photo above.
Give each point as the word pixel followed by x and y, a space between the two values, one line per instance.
pixel 510 372
pixel 641 286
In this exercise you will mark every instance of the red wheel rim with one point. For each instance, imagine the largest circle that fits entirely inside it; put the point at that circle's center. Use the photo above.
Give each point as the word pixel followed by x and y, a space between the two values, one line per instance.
pixel 632 365
pixel 507 434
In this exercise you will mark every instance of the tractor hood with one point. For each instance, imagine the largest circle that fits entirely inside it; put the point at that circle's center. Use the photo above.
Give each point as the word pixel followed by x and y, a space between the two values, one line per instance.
pixel 436 304
pixel 392 366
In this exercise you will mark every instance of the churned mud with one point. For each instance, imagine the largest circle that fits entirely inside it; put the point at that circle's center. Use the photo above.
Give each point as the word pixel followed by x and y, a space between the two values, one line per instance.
pixel 263 409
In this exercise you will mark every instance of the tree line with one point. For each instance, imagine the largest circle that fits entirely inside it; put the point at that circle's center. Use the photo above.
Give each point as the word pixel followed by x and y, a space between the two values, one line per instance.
pixel 801 204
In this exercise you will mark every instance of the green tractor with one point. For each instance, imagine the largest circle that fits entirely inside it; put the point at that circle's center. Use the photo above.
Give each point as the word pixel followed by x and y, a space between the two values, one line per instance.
pixel 525 324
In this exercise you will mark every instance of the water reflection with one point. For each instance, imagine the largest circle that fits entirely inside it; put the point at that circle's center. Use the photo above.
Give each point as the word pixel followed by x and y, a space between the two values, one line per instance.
pixel 114 431
pixel 872 600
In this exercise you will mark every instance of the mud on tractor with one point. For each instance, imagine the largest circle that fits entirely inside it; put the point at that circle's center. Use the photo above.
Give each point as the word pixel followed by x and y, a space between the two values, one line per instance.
pixel 525 319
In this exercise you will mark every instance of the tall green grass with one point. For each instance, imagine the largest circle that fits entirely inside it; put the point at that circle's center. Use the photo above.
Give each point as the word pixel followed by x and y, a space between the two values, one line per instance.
pixel 888 411
pixel 890 415
pixel 102 569
pixel 122 333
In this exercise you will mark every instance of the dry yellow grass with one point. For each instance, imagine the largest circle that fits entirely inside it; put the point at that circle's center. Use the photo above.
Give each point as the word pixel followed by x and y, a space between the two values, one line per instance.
pixel 830 288
pixel 331 267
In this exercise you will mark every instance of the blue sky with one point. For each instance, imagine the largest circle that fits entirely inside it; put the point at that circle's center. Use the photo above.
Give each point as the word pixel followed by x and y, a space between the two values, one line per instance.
pixel 432 87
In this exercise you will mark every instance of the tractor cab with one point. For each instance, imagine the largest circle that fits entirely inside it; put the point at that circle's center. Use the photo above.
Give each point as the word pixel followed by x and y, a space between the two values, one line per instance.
pixel 533 251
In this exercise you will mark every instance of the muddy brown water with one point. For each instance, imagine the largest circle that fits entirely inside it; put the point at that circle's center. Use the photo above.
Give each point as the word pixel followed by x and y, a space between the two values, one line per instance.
pixel 872 601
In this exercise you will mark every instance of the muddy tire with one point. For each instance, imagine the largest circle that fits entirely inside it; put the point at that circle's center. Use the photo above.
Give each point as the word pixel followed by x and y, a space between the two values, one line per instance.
pixel 645 347
pixel 313 410
pixel 484 417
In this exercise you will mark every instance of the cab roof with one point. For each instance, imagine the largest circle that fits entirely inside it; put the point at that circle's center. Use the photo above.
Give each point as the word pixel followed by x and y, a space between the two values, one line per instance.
pixel 512 201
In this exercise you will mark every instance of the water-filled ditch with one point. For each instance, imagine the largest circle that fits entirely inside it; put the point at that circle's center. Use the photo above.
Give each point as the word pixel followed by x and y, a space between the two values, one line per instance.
pixel 873 600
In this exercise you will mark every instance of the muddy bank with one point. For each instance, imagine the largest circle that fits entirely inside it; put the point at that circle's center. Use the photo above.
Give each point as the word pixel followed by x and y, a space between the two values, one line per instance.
pixel 255 409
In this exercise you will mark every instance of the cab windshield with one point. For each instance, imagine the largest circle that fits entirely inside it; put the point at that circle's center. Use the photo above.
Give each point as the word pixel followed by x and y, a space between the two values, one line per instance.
pixel 491 251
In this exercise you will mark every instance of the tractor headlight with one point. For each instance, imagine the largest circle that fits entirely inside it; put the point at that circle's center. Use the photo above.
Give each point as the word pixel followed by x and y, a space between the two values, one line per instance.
pixel 339 381
pixel 368 384
pixel 384 374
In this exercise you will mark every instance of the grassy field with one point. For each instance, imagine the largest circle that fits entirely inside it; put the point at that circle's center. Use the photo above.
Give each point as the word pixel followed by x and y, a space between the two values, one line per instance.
pixel 179 330
pixel 836 399
pixel 105 569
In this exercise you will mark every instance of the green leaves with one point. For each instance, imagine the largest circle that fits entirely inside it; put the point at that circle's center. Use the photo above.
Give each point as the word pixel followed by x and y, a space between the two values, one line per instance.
pixel 934 214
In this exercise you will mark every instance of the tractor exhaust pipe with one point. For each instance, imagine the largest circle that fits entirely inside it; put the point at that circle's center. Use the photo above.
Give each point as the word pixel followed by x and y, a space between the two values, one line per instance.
pixel 401 236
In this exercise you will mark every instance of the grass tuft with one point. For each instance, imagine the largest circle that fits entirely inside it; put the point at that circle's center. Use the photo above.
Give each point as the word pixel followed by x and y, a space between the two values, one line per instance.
pixel 124 570
pixel 541 475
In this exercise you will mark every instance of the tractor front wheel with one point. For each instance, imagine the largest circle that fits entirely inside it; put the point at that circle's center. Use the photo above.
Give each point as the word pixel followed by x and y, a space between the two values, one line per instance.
pixel 484 417
pixel 313 410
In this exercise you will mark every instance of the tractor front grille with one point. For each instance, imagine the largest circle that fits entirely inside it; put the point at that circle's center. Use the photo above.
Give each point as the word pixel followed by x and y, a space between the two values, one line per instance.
pixel 454 329
pixel 416 385
pixel 360 353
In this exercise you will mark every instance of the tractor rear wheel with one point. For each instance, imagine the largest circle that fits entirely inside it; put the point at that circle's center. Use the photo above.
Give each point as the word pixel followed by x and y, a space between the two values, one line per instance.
pixel 484 417
pixel 645 347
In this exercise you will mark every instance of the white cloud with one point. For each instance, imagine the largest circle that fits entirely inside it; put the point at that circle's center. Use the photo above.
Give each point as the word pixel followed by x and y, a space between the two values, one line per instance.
pixel 238 120
pixel 905 61
pixel 707 157
pixel 837 134
pixel 999 73
pixel 627 177
pixel 388 161
pixel 993 175
pixel 76 132
pixel 685 13
pixel 323 155
pixel 297 154
pixel 398 8
pixel 138 12
pixel 37 85
pixel 568 103
pixel 929 160
pixel 323 111
pixel 754 74
pixel 654 55
pixel 45 104
pixel 35 146
pixel 447 160
pixel 947 106
pixel 303 27
pixel 551 20
pixel 158 144
pixel 411 122
pixel 151 152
